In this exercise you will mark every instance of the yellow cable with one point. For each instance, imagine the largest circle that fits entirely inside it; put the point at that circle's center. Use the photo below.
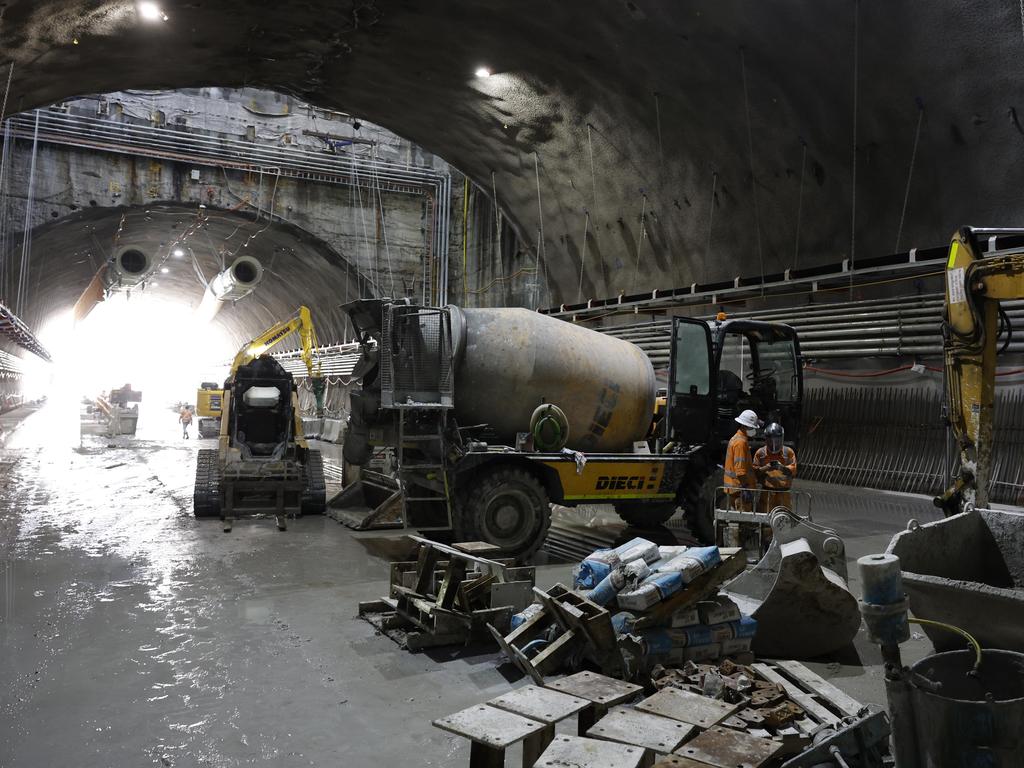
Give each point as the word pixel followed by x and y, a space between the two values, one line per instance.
pixel 974 643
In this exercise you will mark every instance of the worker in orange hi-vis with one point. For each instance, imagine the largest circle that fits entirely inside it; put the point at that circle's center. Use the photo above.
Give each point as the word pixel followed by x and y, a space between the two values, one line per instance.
pixel 775 465
pixel 185 419
pixel 740 479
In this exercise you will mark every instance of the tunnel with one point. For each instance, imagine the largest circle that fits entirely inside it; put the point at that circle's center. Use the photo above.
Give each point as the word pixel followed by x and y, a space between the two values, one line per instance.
pixel 316 312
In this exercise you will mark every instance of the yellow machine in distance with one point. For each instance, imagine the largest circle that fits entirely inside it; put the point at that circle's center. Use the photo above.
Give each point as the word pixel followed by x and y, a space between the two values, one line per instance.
pixel 210 396
pixel 976 283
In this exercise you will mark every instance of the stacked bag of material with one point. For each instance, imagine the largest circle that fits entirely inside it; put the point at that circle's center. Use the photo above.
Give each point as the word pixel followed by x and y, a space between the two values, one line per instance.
pixel 637 576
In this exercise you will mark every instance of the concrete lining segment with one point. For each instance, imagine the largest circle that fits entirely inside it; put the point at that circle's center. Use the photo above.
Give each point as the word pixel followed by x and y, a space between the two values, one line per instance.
pixel 653 91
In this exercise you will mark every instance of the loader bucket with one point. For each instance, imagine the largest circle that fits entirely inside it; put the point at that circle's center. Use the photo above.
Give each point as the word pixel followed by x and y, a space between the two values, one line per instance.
pixel 802 605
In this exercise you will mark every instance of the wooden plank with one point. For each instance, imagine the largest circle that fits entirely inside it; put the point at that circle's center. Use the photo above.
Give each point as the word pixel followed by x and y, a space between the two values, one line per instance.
pixel 820 686
pixel 805 700
pixel 734 562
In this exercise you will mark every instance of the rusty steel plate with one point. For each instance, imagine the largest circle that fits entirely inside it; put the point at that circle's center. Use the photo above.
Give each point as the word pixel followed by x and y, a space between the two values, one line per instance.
pixel 674 761
pixel 488 725
pixel 726 748
pixel 630 726
pixel 688 707
pixel 541 704
pixel 578 752
pixel 599 689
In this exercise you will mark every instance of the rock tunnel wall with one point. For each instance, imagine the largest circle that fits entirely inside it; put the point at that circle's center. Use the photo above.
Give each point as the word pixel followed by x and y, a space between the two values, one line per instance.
pixel 648 143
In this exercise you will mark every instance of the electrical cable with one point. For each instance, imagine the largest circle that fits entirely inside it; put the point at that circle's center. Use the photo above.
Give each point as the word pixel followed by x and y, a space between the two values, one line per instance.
pixel 950 628
pixel 910 173
pixel 1004 321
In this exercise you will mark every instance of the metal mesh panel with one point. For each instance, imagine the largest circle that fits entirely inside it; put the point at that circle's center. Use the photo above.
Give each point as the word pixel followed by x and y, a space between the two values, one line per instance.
pixel 893 438
pixel 416 358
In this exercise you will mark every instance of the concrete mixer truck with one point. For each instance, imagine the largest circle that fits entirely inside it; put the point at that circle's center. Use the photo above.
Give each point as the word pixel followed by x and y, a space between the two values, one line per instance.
pixel 494 414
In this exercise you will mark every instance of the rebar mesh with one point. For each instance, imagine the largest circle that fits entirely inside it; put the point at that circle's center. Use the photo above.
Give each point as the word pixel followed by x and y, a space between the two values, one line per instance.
pixel 893 438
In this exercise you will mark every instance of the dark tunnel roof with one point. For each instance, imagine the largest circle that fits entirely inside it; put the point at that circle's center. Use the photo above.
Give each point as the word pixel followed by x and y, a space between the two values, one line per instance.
pixel 637 114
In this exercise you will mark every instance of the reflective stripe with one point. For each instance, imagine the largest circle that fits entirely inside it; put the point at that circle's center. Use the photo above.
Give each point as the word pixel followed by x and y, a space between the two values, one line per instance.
pixel 731 474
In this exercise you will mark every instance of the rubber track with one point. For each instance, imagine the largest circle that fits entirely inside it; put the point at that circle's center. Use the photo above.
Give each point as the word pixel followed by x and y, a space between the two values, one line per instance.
pixel 314 497
pixel 206 497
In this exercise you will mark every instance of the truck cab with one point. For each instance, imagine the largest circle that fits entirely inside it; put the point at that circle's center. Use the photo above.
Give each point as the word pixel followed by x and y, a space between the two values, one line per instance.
pixel 720 368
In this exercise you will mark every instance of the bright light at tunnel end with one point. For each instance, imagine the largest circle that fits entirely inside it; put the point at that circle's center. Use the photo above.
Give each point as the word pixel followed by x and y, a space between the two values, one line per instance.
pixel 151 12
pixel 482 72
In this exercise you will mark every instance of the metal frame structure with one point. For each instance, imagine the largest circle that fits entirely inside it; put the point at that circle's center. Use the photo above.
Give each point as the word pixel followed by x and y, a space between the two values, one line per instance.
pixel 177 145
pixel 917 262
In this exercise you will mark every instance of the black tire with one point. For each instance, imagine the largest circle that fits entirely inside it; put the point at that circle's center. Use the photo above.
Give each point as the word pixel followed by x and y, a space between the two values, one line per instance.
pixel 696 494
pixel 314 495
pixel 206 496
pixel 645 515
pixel 506 506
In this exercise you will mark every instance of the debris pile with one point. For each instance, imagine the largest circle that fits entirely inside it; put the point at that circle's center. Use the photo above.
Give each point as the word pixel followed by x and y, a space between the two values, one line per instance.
pixel 631 608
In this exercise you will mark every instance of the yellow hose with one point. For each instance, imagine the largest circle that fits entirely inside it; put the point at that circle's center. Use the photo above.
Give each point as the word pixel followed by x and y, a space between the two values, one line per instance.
pixel 970 639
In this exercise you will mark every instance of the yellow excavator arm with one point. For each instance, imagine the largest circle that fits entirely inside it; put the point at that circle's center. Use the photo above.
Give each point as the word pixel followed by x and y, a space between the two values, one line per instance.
pixel 302 323
pixel 210 401
pixel 976 283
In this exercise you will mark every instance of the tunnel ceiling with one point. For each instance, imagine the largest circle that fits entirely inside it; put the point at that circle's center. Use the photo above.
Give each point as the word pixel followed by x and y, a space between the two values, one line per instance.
pixel 686 139
pixel 298 268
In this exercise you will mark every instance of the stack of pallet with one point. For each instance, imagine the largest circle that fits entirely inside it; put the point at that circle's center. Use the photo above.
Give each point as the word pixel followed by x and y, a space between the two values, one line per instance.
pixel 765 716
pixel 449 594
pixel 633 607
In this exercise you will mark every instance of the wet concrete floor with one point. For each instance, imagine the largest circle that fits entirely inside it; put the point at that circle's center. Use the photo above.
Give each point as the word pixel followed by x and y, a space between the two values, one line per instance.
pixel 133 634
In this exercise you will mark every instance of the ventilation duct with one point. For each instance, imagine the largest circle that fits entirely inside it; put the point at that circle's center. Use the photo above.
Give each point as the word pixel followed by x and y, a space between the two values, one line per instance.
pixel 129 268
pixel 234 283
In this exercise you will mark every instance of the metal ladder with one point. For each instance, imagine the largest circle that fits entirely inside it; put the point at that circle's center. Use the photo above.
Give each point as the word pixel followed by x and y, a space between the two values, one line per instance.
pixel 427 503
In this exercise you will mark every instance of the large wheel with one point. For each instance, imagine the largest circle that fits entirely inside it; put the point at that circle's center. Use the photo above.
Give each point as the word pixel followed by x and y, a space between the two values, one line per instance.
pixel 314 495
pixel 505 506
pixel 696 494
pixel 206 497
pixel 645 515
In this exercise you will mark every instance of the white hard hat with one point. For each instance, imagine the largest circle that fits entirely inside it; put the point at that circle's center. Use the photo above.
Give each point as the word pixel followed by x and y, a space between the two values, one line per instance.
pixel 749 420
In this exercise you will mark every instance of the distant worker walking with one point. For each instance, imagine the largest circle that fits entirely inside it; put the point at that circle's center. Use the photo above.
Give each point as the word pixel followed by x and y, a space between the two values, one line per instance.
pixel 740 480
pixel 185 418
pixel 775 465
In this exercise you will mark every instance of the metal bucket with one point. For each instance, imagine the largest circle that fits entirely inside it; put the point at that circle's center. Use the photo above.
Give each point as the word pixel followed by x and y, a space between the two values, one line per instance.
pixel 970 721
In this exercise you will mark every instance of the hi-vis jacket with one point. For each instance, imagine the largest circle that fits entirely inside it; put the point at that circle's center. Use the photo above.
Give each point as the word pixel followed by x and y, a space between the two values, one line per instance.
pixel 738 471
pixel 776 479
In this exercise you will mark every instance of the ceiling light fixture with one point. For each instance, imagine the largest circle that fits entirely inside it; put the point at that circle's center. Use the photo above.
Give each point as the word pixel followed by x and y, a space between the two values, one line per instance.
pixel 165 270
pixel 482 72
pixel 151 12
pixel 178 253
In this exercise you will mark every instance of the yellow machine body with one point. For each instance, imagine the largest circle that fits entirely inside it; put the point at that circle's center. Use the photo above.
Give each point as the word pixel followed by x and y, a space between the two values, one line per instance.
pixel 209 402
pixel 976 283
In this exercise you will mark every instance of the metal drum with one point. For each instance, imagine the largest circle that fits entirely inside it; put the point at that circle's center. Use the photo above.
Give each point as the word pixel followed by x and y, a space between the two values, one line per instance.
pixel 509 361
pixel 973 721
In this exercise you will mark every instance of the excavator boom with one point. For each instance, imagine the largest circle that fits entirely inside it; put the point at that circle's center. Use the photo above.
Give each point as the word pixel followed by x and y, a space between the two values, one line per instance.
pixel 976 283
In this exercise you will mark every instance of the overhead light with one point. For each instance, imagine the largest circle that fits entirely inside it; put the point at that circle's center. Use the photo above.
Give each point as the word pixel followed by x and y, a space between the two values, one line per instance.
pixel 482 72
pixel 151 12
pixel 165 270
pixel 154 283
pixel 178 253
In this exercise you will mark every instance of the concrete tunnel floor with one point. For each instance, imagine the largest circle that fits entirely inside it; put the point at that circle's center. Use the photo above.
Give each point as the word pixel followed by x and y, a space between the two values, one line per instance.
pixel 134 634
